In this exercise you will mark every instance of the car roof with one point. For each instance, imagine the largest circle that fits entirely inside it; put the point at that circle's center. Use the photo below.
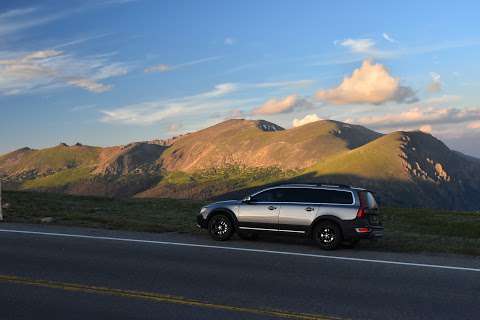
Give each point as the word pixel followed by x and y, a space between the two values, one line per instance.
pixel 319 185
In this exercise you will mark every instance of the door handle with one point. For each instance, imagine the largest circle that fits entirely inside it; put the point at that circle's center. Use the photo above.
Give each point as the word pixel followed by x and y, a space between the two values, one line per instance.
pixel 272 208
pixel 309 209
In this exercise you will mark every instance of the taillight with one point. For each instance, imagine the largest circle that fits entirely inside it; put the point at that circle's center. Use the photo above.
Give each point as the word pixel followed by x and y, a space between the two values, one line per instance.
pixel 362 230
pixel 362 212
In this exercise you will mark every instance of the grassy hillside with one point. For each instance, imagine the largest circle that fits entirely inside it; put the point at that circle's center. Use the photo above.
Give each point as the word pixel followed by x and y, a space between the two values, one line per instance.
pixel 244 142
pixel 379 160
pixel 407 230
pixel 49 160
pixel 213 182
pixel 410 169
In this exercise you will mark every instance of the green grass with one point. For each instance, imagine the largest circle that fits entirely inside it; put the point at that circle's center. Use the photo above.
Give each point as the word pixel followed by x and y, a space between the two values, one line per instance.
pixel 406 230
pixel 59 179
pixel 427 230
pixel 158 215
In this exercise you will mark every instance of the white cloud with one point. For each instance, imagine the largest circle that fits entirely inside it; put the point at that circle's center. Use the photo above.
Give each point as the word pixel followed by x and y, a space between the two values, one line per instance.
pixel 90 85
pixel 235 114
pixel 289 84
pixel 474 125
pixel 285 105
pixel 307 119
pixel 158 68
pixel 436 84
pixel 387 37
pixel 220 90
pixel 175 127
pixel 229 41
pixel 147 113
pixel 358 45
pixel 166 67
pixel 421 116
pixel 371 84
pixel 26 71
pixel 426 128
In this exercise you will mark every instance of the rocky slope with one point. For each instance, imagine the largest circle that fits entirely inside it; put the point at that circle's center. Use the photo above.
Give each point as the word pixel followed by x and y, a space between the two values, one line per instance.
pixel 232 157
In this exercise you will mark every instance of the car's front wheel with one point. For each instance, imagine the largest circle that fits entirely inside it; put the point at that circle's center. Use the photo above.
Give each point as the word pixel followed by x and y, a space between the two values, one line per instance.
pixel 327 235
pixel 220 227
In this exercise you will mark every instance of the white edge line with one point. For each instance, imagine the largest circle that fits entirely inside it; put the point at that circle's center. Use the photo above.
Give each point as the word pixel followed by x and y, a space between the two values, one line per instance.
pixel 241 249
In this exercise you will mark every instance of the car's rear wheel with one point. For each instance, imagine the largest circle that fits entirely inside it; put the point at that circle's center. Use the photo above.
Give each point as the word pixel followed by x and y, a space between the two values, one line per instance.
pixel 327 235
pixel 220 227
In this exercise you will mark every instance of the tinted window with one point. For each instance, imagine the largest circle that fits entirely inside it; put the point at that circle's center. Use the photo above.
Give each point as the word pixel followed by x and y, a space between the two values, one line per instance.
pixel 316 196
pixel 304 195
pixel 334 196
pixel 368 200
pixel 265 196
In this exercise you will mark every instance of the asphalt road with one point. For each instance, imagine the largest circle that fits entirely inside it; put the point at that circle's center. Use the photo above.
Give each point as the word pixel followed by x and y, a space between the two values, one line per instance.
pixel 162 276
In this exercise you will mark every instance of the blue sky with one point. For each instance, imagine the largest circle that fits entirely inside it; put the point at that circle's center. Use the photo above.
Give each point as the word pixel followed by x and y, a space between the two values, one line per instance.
pixel 109 72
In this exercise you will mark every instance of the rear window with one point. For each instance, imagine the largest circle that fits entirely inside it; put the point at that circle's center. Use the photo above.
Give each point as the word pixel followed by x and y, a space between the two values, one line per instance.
pixel 368 200
pixel 314 195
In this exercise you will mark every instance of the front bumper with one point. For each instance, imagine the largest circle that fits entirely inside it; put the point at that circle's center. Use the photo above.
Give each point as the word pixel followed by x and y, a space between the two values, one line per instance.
pixel 201 221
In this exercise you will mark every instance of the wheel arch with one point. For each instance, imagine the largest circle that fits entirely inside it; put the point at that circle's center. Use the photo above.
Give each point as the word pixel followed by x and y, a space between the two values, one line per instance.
pixel 229 213
pixel 328 218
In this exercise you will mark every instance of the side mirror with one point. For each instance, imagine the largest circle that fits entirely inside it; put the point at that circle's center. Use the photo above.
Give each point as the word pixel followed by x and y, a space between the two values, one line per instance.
pixel 247 199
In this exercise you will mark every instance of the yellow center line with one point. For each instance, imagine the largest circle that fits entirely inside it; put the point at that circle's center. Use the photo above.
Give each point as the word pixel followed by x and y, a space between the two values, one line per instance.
pixel 156 297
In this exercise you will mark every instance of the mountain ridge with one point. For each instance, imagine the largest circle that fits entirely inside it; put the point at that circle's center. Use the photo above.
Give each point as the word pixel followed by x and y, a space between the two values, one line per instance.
pixel 407 168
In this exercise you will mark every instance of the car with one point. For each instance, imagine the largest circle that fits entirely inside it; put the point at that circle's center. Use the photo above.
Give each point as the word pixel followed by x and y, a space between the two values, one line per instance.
pixel 329 214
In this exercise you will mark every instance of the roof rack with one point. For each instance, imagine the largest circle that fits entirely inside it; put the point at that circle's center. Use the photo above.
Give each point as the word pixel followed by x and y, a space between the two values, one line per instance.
pixel 320 184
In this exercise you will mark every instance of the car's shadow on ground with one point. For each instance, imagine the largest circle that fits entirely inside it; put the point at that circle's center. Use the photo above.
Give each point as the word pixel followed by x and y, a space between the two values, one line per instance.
pixel 289 240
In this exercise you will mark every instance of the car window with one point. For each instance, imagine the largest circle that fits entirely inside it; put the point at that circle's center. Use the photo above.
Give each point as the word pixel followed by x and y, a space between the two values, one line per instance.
pixel 310 195
pixel 367 199
pixel 265 196
pixel 333 196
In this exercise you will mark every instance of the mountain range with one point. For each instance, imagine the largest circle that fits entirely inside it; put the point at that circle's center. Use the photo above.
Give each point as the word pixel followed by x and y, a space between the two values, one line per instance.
pixel 232 158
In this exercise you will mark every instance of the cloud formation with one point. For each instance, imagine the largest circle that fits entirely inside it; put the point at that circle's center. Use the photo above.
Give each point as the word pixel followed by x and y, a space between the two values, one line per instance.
pixel 421 117
pixel 369 84
pixel 229 41
pixel 23 72
pixel 436 84
pixel 166 67
pixel 147 113
pixel 285 105
pixel 387 37
pixel 358 45
pixel 307 119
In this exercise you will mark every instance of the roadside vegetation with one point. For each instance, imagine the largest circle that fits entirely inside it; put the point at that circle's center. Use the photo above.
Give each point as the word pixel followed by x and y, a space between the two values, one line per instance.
pixel 406 230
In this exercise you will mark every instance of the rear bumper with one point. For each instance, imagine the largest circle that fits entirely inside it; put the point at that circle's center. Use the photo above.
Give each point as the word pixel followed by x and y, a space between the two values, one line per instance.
pixel 372 233
pixel 361 229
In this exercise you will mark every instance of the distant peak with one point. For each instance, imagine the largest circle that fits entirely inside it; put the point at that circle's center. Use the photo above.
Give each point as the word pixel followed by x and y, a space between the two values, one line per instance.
pixel 62 144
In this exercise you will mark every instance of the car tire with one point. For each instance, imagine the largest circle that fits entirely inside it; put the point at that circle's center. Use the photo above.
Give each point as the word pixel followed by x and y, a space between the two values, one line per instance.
pixel 250 236
pixel 327 235
pixel 220 227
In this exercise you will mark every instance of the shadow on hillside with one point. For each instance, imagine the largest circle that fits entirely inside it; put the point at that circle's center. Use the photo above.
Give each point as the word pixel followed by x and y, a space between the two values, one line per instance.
pixel 396 193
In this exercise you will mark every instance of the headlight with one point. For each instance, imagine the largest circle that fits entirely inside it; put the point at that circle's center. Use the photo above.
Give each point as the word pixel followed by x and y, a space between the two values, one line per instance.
pixel 203 210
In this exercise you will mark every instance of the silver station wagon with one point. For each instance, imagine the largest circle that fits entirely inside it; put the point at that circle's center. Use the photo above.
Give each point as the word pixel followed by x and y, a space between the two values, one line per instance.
pixel 329 214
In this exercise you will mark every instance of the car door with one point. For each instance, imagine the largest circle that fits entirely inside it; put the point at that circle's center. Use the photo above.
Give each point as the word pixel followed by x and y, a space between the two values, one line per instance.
pixel 297 211
pixel 261 212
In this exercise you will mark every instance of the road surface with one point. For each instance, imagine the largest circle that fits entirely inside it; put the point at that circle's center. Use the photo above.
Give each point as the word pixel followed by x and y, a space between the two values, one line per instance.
pixel 49 272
